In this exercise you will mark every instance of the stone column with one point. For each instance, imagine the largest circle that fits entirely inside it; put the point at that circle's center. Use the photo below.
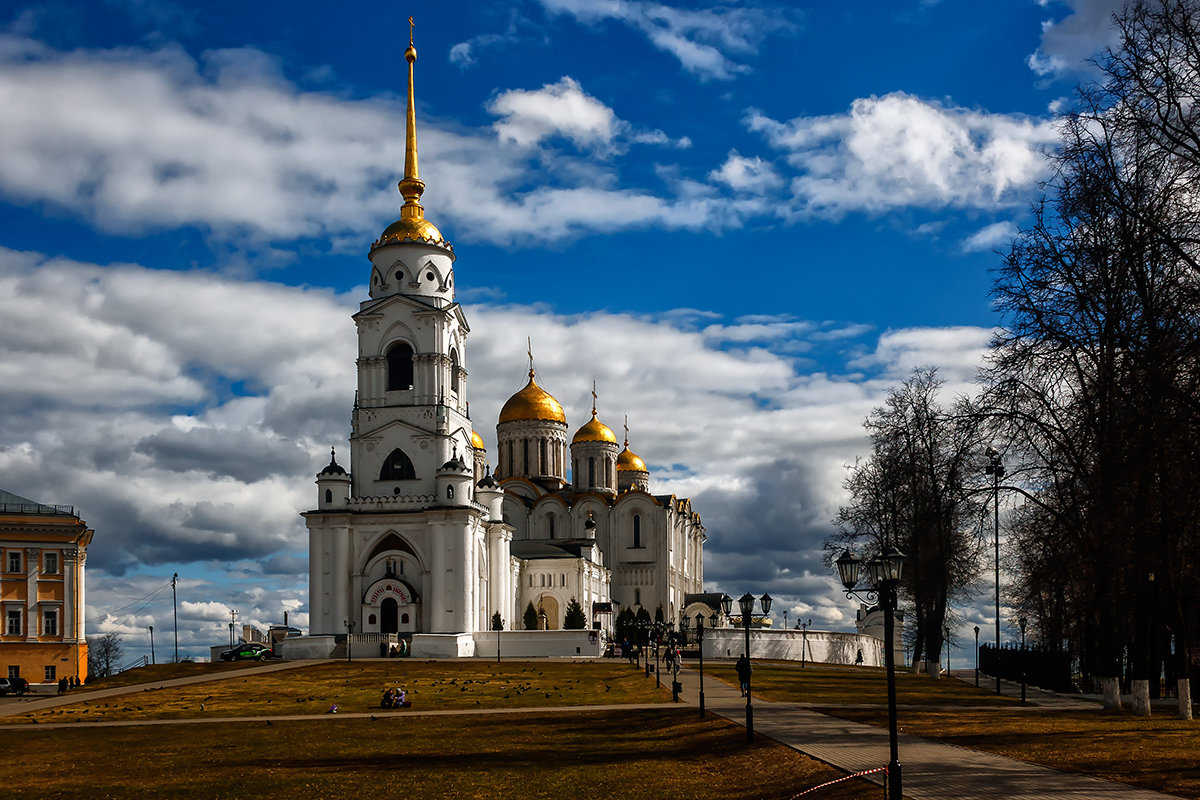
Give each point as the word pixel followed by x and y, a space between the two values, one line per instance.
pixel 70 568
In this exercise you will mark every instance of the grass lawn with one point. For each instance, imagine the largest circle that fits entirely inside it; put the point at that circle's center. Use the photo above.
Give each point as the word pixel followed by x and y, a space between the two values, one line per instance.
pixel 358 686
pixel 789 683
pixel 667 752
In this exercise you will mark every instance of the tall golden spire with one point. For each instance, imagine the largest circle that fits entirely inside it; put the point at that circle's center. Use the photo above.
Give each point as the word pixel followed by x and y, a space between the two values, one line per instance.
pixel 411 187
pixel 412 225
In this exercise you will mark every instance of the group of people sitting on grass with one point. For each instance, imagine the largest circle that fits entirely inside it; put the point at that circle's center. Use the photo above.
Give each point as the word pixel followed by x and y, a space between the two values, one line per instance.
pixel 395 698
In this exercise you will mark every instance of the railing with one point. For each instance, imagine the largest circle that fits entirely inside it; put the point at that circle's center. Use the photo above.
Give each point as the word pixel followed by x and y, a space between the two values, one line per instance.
pixel 35 508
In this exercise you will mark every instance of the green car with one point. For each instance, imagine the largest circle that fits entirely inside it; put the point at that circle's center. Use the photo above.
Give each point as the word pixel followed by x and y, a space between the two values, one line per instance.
pixel 248 651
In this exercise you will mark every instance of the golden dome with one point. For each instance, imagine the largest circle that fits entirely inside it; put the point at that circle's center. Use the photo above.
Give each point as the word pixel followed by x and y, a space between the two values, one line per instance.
pixel 594 431
pixel 532 403
pixel 412 229
pixel 477 441
pixel 628 461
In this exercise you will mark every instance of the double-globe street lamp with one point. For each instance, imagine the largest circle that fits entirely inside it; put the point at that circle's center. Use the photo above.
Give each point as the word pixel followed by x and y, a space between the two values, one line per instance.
pixel 683 623
pixel 884 572
pixel 746 604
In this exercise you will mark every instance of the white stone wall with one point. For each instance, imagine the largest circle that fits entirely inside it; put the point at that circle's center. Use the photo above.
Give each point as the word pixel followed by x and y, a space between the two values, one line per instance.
pixel 536 644
pixel 820 647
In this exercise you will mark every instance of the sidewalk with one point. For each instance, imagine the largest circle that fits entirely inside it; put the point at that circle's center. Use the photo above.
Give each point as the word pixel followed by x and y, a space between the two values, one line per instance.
pixel 931 770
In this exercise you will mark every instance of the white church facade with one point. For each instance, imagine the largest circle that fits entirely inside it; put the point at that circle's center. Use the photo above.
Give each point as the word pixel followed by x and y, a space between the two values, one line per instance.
pixel 417 538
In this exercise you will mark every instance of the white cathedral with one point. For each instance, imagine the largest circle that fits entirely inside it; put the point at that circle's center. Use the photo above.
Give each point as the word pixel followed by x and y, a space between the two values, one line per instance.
pixel 418 537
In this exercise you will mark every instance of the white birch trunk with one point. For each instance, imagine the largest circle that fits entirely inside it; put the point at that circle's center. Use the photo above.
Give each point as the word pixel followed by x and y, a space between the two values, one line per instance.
pixel 934 669
pixel 1185 698
pixel 1112 694
pixel 1141 698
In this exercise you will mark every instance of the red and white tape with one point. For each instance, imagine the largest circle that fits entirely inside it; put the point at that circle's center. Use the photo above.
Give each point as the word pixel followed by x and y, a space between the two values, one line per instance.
pixel 839 780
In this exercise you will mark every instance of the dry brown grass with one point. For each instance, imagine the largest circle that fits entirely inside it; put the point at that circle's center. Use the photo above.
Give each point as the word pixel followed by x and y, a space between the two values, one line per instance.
pixel 1158 753
pixel 358 686
pixel 667 752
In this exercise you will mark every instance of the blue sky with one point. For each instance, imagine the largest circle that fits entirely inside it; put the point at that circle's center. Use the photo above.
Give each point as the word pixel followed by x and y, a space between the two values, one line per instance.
pixel 744 222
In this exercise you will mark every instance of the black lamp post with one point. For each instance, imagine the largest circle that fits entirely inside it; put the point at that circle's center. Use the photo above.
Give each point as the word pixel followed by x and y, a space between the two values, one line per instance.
pixel 700 644
pixel 976 656
pixel 1022 622
pixel 349 639
pixel 497 626
pixel 746 605
pixel 175 613
pixel 646 649
pixel 152 661
pixel 884 572
pixel 996 469
pixel 804 642
pixel 658 628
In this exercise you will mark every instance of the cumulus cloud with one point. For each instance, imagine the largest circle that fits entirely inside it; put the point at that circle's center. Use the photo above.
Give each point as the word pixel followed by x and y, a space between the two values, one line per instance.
pixel 202 451
pixel 990 237
pixel 701 39
pixel 136 140
pixel 1068 43
pixel 899 150
pixel 746 174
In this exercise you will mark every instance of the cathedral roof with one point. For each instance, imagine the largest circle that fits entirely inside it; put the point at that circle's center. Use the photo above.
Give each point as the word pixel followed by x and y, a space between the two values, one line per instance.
pixel 532 403
pixel 594 431
pixel 333 468
pixel 628 461
pixel 477 441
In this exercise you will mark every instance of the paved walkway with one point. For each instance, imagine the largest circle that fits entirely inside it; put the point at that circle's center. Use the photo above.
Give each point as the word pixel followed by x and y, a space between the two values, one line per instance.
pixel 931 770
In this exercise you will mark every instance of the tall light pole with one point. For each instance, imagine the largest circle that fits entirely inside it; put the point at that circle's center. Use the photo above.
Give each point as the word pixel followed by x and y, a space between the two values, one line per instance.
pixel 1021 622
pixel 996 469
pixel 746 604
pixel 349 640
pixel 497 626
pixel 175 613
pixel 152 661
pixel 976 656
pixel 804 642
pixel 884 571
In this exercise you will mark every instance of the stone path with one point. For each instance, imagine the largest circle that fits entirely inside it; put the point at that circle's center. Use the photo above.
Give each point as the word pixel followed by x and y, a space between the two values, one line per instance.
pixel 931 770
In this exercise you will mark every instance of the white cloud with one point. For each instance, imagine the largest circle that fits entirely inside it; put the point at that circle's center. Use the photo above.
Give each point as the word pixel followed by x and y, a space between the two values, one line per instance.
pixel 1067 44
pixel 563 108
pixel 700 39
pixel 990 237
pixel 135 140
pixel 747 174
pixel 899 150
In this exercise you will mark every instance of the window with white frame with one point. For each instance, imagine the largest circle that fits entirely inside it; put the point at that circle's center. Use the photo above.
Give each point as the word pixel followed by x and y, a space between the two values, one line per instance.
pixel 51 672
pixel 50 622
pixel 14 672
pixel 12 625
pixel 50 562
pixel 14 560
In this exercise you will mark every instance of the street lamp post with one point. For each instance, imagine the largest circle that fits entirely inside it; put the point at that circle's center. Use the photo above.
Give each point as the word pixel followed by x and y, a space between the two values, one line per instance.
pixel 746 604
pixel 349 640
pixel 700 644
pixel 657 661
pixel 646 649
pixel 804 643
pixel 995 468
pixel 1022 622
pixel 175 614
pixel 497 626
pixel 152 661
pixel 976 656
pixel 884 571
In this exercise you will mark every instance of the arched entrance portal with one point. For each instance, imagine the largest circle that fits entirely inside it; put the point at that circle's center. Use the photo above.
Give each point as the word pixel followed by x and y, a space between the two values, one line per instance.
pixel 390 606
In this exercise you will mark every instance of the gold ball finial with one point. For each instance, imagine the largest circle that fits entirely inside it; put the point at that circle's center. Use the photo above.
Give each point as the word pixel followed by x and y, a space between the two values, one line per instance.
pixel 410 55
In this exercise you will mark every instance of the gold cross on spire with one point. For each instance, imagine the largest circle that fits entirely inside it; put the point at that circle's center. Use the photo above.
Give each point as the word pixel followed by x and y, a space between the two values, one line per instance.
pixel 529 352
pixel 593 397
pixel 411 25
pixel 627 430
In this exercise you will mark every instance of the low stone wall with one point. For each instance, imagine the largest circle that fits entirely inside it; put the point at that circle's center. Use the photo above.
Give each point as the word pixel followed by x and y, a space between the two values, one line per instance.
pixel 295 648
pixel 442 645
pixel 535 644
pixel 820 647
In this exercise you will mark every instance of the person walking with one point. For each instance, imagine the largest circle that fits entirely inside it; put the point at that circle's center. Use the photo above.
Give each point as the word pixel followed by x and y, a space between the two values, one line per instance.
pixel 742 667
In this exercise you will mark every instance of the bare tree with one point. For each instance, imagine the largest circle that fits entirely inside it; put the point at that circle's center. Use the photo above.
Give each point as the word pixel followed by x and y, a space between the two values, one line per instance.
pixel 911 492
pixel 104 654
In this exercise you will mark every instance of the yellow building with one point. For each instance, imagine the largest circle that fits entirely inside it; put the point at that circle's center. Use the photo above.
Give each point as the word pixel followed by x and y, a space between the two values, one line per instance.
pixel 43 550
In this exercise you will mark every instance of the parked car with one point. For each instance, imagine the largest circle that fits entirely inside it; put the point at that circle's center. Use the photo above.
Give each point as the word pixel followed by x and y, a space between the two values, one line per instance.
pixel 247 651
pixel 13 686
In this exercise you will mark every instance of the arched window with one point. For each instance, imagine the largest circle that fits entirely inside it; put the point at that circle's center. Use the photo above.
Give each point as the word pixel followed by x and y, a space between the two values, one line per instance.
pixel 591 472
pixel 328 496
pixel 525 456
pixel 404 619
pixel 541 456
pixel 511 469
pixel 449 492
pixel 453 370
pixel 400 367
pixel 551 526
pixel 607 473
pixel 398 467
pixel 637 530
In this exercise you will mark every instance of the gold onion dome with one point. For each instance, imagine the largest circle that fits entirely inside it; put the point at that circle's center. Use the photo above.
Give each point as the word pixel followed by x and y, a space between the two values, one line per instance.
pixel 594 431
pixel 628 461
pixel 532 403
pixel 477 441
pixel 412 225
